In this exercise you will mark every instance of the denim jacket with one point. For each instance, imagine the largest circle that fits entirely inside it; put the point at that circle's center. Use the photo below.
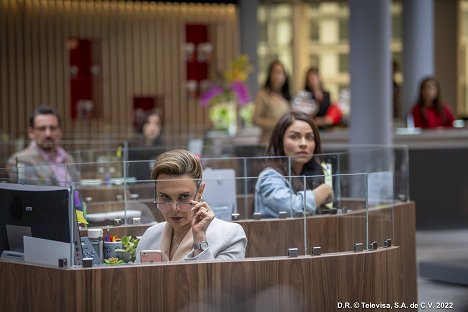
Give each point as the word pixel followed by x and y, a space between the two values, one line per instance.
pixel 274 193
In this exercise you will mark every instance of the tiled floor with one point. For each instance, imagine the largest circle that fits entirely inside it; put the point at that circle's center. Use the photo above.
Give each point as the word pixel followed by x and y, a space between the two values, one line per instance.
pixel 441 245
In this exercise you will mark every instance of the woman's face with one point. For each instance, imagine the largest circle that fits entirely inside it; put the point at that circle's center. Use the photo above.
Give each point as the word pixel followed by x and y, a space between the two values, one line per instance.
pixel 152 127
pixel 313 80
pixel 429 91
pixel 298 142
pixel 177 189
pixel 277 77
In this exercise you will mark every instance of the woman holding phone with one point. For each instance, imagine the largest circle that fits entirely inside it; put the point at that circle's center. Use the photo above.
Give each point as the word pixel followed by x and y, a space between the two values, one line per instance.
pixel 191 231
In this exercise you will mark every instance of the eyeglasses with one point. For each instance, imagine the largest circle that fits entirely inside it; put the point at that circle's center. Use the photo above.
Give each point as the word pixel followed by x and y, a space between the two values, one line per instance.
pixel 185 205
pixel 168 206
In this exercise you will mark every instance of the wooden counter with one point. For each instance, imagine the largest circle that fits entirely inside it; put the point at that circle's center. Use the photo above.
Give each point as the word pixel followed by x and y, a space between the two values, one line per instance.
pixel 306 283
pixel 262 284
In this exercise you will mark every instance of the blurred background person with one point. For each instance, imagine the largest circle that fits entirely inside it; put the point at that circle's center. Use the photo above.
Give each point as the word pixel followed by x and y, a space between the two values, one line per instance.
pixel 150 133
pixel 316 101
pixel 430 111
pixel 146 146
pixel 272 100
pixel 43 160
pixel 396 91
pixel 296 139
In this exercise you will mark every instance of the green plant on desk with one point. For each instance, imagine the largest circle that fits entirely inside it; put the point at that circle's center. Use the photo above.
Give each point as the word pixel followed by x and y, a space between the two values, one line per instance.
pixel 113 261
pixel 129 245
pixel 125 254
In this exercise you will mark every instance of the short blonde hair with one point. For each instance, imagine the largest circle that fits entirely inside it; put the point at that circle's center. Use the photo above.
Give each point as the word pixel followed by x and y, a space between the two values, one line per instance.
pixel 177 162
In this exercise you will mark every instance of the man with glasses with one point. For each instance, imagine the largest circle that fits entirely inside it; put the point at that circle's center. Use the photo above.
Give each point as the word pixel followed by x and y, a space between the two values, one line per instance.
pixel 44 161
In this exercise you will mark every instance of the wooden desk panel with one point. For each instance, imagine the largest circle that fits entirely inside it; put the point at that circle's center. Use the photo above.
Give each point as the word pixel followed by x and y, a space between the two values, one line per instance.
pixel 294 284
pixel 269 238
pixel 333 233
pixel 272 237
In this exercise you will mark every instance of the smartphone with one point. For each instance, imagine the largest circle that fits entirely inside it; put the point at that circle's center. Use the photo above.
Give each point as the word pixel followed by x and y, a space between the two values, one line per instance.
pixel 151 256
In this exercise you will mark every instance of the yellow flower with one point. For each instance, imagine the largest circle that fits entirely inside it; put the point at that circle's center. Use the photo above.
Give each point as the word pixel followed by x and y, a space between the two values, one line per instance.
pixel 239 69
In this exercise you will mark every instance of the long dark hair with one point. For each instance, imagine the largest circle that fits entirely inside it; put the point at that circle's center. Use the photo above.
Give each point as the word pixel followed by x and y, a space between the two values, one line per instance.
pixel 276 148
pixel 325 102
pixel 285 92
pixel 311 70
pixel 437 102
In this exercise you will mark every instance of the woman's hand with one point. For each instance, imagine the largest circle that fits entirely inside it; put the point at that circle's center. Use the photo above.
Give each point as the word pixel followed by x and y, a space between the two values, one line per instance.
pixel 202 217
pixel 323 194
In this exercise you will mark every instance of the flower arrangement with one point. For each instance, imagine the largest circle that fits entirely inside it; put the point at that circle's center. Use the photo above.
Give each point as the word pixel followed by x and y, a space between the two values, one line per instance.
pixel 223 96
pixel 232 87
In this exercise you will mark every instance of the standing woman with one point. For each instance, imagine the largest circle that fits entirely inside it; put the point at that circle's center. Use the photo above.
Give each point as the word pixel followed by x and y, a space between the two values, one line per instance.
pixel 430 111
pixel 296 138
pixel 272 101
pixel 328 113
pixel 191 231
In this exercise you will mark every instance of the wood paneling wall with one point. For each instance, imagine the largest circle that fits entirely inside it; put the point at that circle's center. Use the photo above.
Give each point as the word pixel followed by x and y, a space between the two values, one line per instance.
pixel 140 47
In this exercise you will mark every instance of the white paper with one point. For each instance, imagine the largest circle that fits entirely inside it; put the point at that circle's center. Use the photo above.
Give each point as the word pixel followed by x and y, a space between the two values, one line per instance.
pixel 44 251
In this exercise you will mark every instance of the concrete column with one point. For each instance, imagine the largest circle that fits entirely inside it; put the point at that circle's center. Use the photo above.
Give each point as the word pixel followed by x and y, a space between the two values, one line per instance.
pixel 370 71
pixel 418 48
pixel 301 58
pixel 249 38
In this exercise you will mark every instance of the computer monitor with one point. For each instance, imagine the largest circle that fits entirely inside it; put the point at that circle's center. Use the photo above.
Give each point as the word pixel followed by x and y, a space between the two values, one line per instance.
pixel 42 211
pixel 220 192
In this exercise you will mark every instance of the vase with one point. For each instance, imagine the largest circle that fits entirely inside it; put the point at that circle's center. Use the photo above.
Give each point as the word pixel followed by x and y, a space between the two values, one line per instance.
pixel 224 117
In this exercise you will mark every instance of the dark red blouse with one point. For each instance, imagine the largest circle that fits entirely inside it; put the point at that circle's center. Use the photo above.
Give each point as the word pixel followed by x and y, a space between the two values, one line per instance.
pixel 432 118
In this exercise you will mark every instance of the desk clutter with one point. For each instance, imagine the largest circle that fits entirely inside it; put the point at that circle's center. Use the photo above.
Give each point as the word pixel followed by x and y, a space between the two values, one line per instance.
pixel 108 249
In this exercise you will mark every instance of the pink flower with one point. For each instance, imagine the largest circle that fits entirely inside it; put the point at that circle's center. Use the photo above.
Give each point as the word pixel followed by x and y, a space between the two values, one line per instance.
pixel 209 95
pixel 241 91
pixel 230 85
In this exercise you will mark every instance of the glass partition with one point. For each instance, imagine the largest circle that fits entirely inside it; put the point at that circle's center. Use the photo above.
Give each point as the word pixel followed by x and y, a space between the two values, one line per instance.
pixel 59 175
pixel 110 207
pixel 64 174
pixel 107 204
pixel 115 153
pixel 247 191
pixel 8 148
pixel 94 150
pixel 107 172
pixel 4 176
pixel 342 219
pixel 357 159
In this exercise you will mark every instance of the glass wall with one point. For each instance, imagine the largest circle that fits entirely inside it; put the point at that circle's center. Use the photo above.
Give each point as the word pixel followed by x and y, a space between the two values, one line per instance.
pixel 328 41
pixel 274 37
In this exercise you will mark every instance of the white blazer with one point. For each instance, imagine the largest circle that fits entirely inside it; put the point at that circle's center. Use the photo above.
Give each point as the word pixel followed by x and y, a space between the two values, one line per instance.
pixel 226 241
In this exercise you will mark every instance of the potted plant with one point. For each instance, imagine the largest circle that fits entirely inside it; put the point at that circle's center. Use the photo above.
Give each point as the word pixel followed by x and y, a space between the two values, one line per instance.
pixel 127 253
